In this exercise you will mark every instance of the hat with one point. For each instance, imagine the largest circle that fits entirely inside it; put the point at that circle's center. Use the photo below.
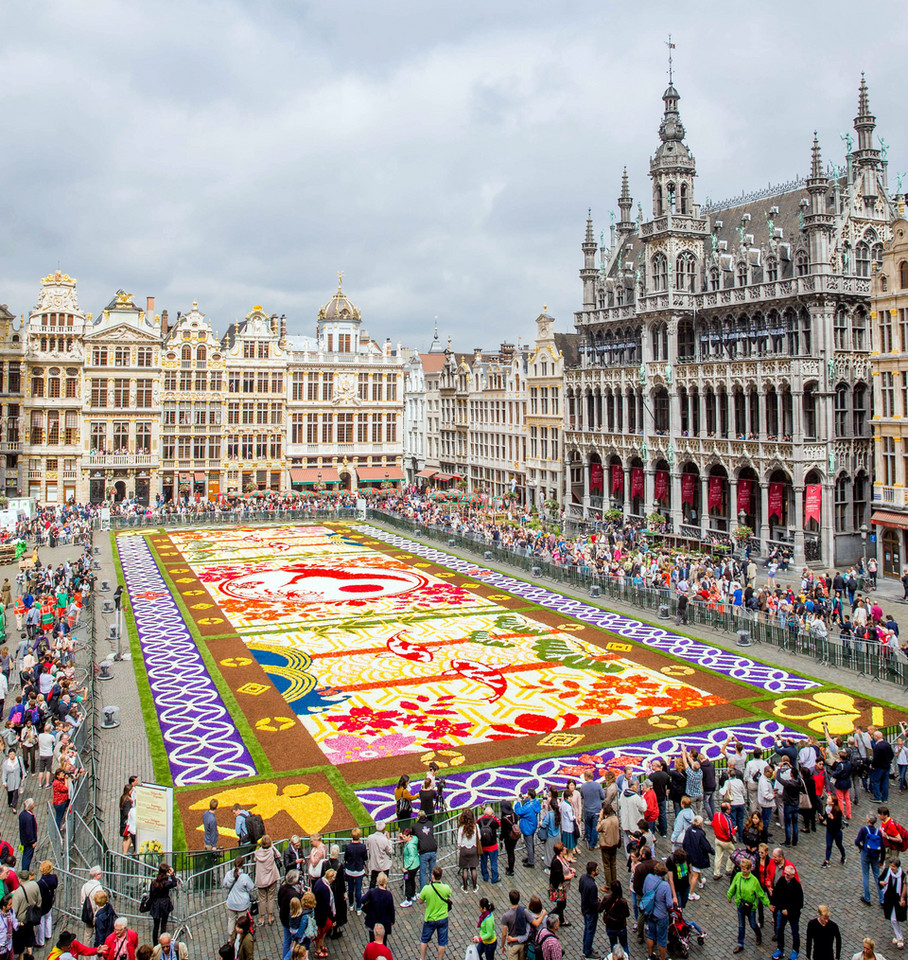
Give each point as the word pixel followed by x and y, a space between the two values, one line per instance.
pixel 294 839
pixel 66 939
pixel 381 827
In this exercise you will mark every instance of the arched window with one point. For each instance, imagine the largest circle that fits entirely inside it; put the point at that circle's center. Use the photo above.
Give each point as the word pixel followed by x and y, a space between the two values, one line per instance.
pixel 842 499
pixel 201 355
pixel 859 329
pixel 660 272
pixel 714 278
pixel 841 411
pixel 772 269
pixel 670 198
pixel 684 198
pixel 686 342
pixel 186 353
pixel 686 272
pixel 862 260
pixel 859 410
pixel 840 329
pixel 802 264
pixel 742 274
pixel 903 275
pixel 876 253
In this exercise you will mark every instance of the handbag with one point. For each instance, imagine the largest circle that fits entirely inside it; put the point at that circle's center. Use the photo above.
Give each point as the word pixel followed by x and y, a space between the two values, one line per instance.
pixel 32 915
pixel 253 906
pixel 558 894
pixel 145 903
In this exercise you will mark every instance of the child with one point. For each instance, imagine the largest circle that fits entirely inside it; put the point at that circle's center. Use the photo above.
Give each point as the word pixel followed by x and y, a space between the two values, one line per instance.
pixel 487 939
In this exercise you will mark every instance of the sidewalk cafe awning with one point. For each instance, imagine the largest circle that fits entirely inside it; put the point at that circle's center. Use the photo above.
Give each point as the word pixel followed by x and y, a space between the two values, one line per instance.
pixel 200 476
pixel 443 477
pixel 306 475
pixel 428 473
pixel 367 474
pixel 888 518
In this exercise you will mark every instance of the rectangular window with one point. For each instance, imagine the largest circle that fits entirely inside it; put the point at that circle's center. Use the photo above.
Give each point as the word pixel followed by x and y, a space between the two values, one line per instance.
pixel 215 382
pixel 143 357
pixel 327 384
pixel 167 448
pixel 170 414
pixel 377 424
pixel 120 436
pixel 363 386
pixel 903 326
pixel 248 412
pixel 343 342
pixel 143 394
pixel 376 387
pixel 888 448
pixel 296 427
pixel 233 383
pixel 53 426
pixel 261 413
pixel 391 429
pixel 121 394
pixel 199 446
pixel 887 394
pixel 15 377
pixel 37 386
pixel 886 342
pixel 184 447
pixel 312 386
pixel 277 383
pixel 121 356
pixel 261 383
pixel 297 386
pixel 99 356
pixel 391 386
pixel 233 413
pixel 214 448
pixel 275 447
pixel 143 437
pixel 72 388
pixel 345 428
pixel 200 383
pixel 327 428
pixel 186 382
pixel 248 383
pixel 170 381
pixel 312 428
pixel 362 428
pixel 53 387
pixel 99 393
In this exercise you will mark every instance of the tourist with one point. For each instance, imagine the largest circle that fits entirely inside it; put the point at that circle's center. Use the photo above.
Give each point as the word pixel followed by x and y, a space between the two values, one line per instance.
pixel 468 844
pixel 560 875
pixel 325 910
pixel 12 772
pixel 657 919
pixel 593 796
pixel 489 826
pixel 122 943
pixel 267 876
pixel 28 832
pixel 211 838
pixel 895 899
pixel 608 830
pixel 724 835
pixel 378 852
pixel 550 826
pixel 437 898
pixel 678 876
pixel 240 888
pixel 378 907
pixel 746 892
pixel 868 951
pixel 294 856
pixel 510 834
pixel 105 916
pixel 754 835
pixel 698 849
pixel 160 906
pixel 824 940
pixel 880 765
pixel 870 842
pixel 428 795
pixel 548 939
pixel 318 853
pixel 167 949
pixel 568 825
pixel 487 939
pixel 684 817
pixel 832 818
pixel 528 809
pixel 403 800
pixel 243 940
pixel 787 901
pixel 589 906
pixel 338 887
pixel 377 949
pixel 631 808
pixel 515 928
pixel 615 911
pixel 355 856
pixel 427 846
pixel 289 890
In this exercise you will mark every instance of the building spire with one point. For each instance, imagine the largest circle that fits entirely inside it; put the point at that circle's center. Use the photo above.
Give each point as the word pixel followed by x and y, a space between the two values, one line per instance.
pixel 589 238
pixel 625 203
pixel 816 165
pixel 863 99
pixel 671 47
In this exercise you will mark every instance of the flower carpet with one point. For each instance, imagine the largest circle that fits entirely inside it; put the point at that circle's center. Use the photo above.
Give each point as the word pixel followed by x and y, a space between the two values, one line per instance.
pixel 301 669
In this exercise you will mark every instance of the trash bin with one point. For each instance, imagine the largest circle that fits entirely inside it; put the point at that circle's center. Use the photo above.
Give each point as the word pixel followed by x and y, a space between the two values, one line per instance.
pixel 537 571
pixel 664 613
pixel 595 590
pixel 744 638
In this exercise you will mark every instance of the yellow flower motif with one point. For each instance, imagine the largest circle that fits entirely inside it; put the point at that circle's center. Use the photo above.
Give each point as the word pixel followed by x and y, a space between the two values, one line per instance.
pixel 837 710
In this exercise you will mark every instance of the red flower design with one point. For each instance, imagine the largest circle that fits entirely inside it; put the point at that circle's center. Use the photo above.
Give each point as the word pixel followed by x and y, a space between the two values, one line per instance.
pixel 366 720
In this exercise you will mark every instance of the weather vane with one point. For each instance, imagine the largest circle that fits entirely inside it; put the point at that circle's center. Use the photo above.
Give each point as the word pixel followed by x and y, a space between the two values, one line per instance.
pixel 671 47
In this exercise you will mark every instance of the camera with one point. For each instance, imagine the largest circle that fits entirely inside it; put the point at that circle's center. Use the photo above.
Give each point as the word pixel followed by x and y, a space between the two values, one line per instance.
pixel 440 783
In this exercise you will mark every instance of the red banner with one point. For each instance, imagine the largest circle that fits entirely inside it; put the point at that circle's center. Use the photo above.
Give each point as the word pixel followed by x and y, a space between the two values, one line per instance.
pixel 596 479
pixel 660 490
pixel 716 485
pixel 776 500
pixel 688 487
pixel 617 478
pixel 745 487
pixel 813 500
pixel 637 482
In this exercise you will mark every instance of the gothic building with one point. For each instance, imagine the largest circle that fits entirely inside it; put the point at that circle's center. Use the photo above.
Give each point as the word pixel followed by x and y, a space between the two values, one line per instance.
pixel 723 378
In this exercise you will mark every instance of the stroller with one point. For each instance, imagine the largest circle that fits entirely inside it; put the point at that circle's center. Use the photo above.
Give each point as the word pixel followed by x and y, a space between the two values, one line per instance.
pixel 680 932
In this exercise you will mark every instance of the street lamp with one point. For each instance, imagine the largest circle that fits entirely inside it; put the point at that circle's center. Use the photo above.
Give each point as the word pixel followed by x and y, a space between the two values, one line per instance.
pixel 864 547
pixel 742 521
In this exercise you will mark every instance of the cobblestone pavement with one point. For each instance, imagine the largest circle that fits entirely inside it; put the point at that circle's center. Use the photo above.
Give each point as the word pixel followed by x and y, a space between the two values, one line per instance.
pixel 124 751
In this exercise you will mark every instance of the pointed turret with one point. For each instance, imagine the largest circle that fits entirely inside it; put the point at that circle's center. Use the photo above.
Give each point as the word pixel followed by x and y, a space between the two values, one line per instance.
pixel 672 167
pixel 866 161
pixel 819 222
pixel 865 121
pixel 588 273
pixel 625 203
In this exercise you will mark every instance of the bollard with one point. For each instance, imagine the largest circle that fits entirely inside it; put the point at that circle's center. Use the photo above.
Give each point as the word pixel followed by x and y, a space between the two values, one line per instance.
pixel 488 554
pixel 452 542
pixel 111 717
pixel 105 670
pixel 105 587
pixel 107 607
pixel 97 551
pixel 113 632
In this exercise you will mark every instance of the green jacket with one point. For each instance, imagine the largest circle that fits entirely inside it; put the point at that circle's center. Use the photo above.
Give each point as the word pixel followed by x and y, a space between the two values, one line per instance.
pixel 411 854
pixel 747 891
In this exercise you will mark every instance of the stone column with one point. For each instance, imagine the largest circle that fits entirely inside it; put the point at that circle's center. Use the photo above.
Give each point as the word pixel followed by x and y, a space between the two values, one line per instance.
pixel 677 513
pixel 626 503
pixel 827 524
pixel 763 508
pixel 798 558
pixel 732 503
pixel 704 503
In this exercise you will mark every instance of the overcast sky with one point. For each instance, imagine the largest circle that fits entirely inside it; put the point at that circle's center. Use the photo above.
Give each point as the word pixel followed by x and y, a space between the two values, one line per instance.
pixel 442 154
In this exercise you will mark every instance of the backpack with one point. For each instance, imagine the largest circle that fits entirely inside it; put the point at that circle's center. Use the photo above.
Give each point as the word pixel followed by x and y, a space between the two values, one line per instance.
pixel 242 831
pixel 404 809
pixel 897 837
pixel 88 913
pixel 648 902
pixel 486 836
pixel 255 827
pixel 873 842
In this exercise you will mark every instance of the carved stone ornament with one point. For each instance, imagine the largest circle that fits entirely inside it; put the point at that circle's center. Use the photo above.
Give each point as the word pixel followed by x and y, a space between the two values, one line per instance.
pixel 345 389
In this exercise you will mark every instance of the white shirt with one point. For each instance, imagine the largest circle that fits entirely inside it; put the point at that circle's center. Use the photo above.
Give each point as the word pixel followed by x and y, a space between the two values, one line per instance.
pixel 753 769
pixel 46 743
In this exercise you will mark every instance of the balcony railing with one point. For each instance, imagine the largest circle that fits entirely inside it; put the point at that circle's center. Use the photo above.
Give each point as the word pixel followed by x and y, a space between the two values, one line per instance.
pixel 98 459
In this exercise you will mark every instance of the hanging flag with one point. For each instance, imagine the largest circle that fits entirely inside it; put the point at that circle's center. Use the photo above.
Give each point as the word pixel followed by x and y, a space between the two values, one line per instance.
pixel 776 495
pixel 660 488
pixel 617 478
pixel 596 479
pixel 813 501
pixel 745 489
pixel 636 482
pixel 716 485
pixel 688 487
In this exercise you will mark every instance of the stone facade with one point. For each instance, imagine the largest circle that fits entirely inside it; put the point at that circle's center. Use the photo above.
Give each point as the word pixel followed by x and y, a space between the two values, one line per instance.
pixel 889 365
pixel 724 373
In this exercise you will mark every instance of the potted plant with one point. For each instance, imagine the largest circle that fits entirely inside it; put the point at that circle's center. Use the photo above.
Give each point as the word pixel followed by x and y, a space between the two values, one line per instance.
pixel 613 515
pixel 743 533
pixel 655 519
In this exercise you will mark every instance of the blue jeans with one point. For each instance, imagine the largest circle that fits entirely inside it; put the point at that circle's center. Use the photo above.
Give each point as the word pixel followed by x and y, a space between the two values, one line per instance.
pixel 737 815
pixel 871 865
pixel 426 866
pixel 791 823
pixel 486 859
pixel 657 930
pixel 616 935
pixel 27 854
pixel 903 776
pixel 589 827
pixel 746 914
pixel 793 922
pixel 879 785
pixel 285 951
pixel 355 891
pixel 834 838
pixel 766 814
pixel 590 921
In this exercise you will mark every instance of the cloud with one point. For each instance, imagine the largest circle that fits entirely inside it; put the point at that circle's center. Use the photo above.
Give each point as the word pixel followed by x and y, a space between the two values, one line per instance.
pixel 443 155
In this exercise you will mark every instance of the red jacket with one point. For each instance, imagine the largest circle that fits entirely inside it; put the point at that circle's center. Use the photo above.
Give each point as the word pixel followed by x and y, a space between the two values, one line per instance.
pixel 127 953
pixel 652 806
pixel 723 827
pixel 772 869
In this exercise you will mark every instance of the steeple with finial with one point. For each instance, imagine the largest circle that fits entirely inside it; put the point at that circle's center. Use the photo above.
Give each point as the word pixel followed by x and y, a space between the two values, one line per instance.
pixel 625 204
pixel 866 160
pixel 588 273
pixel 672 167
pixel 819 223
